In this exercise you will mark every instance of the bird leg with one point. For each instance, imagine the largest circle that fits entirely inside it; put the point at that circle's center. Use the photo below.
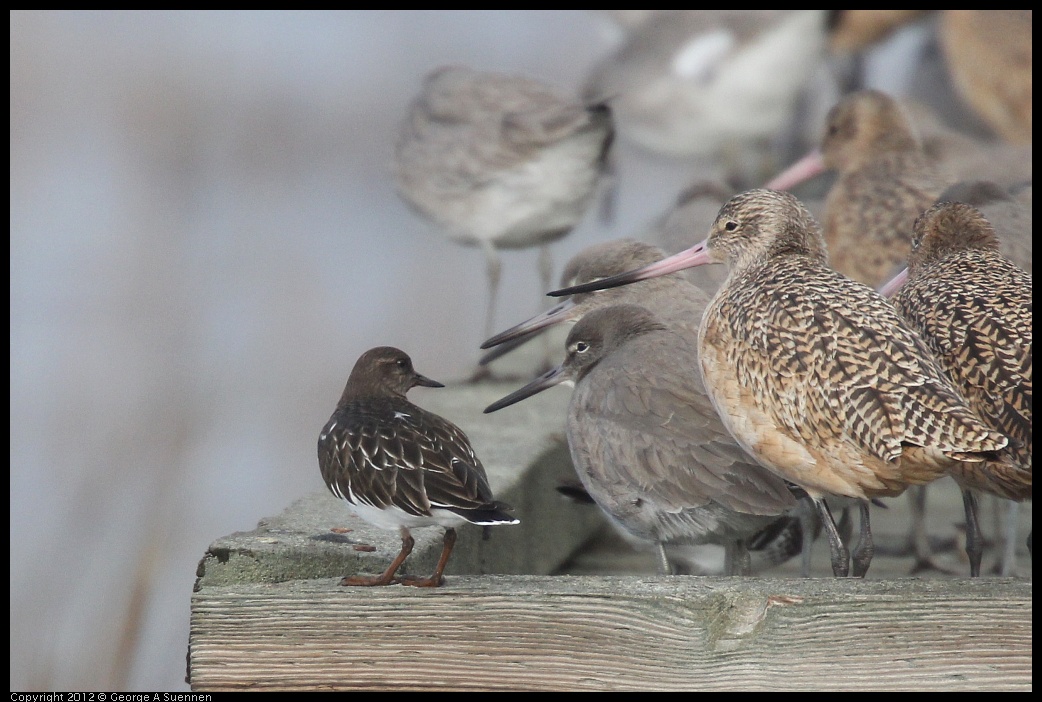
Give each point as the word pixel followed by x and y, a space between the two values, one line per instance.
pixel 736 558
pixel 1008 564
pixel 435 580
pixel 974 538
pixel 493 269
pixel 865 548
pixel 387 577
pixel 664 566
pixel 811 526
pixel 839 552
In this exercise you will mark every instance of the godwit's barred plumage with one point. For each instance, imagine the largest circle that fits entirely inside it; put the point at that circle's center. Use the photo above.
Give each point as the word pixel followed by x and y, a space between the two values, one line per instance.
pixel 676 303
pixel 501 161
pixel 646 441
pixel 972 306
pixel 399 466
pixel 816 375
pixel 1008 210
pixel 884 181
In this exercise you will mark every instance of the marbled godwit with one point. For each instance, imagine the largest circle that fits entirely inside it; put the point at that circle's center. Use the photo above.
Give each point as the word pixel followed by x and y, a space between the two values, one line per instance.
pixel 884 182
pixel 501 161
pixel 399 466
pixel 647 444
pixel 1008 210
pixel 972 306
pixel 816 375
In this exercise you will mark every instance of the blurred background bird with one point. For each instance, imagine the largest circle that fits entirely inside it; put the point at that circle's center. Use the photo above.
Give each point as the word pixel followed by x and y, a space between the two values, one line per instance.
pixel 722 88
pixel 501 162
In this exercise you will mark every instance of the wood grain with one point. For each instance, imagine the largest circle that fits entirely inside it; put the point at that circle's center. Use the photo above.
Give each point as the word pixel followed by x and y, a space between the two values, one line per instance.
pixel 615 633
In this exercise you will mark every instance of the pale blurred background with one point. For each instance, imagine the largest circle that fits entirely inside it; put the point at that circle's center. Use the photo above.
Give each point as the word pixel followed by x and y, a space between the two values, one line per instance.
pixel 204 237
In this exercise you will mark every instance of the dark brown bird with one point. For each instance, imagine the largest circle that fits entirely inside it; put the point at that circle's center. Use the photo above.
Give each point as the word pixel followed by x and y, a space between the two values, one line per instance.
pixel 884 182
pixel 972 306
pixel 399 466
pixel 647 444
pixel 816 375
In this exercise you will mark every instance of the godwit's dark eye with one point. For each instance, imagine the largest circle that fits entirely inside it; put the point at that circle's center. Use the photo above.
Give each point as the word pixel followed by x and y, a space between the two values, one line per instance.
pixel 731 226
pixel 581 347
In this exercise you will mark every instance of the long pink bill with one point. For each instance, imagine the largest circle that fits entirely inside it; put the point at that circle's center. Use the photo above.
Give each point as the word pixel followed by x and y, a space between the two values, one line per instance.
pixel 697 255
pixel 806 168
pixel 895 283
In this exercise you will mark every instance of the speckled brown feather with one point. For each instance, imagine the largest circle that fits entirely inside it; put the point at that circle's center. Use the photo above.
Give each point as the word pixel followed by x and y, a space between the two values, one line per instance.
pixel 973 308
pixel 884 181
pixel 818 375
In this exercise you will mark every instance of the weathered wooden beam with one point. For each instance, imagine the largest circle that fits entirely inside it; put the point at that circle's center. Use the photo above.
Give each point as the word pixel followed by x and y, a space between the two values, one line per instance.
pixel 615 633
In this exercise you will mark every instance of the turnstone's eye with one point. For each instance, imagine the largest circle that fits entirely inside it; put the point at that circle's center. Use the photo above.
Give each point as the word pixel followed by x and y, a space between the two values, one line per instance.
pixel 402 363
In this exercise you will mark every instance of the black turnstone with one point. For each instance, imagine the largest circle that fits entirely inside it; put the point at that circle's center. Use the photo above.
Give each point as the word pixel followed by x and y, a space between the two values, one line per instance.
pixel 399 466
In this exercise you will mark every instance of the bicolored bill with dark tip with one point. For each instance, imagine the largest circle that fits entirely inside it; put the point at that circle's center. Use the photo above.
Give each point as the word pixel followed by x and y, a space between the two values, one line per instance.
pixel 697 255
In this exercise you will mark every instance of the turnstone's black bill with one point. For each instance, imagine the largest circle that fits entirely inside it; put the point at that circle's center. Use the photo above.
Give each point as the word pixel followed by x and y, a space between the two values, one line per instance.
pixel 399 466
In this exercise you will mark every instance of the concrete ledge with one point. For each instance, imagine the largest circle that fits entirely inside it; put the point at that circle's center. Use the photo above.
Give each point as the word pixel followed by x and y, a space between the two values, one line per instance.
pixel 524 451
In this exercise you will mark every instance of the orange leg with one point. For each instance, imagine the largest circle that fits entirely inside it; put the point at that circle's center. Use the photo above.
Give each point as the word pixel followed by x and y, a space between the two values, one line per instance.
pixel 387 577
pixel 435 580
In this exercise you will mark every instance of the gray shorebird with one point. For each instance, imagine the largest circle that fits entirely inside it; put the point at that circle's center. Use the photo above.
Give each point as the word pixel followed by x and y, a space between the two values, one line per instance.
pixel 972 306
pixel 399 466
pixel 816 375
pixel 646 441
pixel 678 302
pixel 501 161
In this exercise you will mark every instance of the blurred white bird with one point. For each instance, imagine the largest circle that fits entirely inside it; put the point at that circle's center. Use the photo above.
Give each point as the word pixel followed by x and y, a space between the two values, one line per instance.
pixel 501 161
pixel 711 83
